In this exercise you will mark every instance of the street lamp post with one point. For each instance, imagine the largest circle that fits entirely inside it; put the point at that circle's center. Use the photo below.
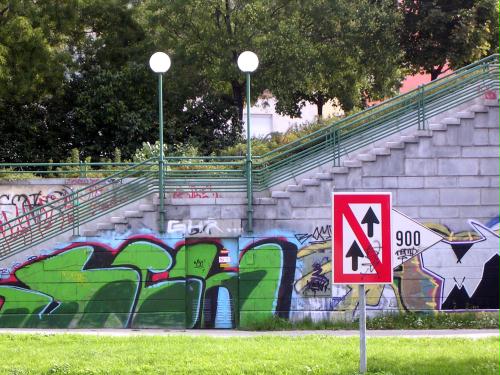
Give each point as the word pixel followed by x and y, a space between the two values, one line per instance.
pixel 160 63
pixel 248 62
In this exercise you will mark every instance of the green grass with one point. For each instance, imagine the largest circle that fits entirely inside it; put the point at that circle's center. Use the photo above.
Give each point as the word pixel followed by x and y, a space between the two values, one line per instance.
pixel 407 320
pixel 311 354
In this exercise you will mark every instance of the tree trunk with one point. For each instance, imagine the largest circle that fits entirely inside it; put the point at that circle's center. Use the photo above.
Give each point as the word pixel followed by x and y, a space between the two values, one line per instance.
pixel 320 102
pixel 238 97
pixel 435 72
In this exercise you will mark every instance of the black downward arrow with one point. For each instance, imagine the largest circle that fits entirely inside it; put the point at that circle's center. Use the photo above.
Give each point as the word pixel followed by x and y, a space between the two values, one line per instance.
pixel 354 253
pixel 370 219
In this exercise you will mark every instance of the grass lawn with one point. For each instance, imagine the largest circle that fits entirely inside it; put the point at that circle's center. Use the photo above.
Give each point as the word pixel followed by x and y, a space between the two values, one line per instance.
pixel 314 354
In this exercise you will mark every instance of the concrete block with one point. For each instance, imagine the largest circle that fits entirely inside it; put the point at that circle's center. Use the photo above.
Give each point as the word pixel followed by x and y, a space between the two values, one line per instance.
pixel 480 152
pixel 265 212
pixel 448 138
pixel 190 201
pixel 480 137
pixel 410 182
pixel 488 166
pixel 231 201
pixel 451 167
pixel 494 182
pixel 233 212
pixel 420 167
pixel 473 181
pixel 439 212
pixel 177 212
pixel 493 135
pixel 446 152
pixel 319 212
pixel 416 197
pixel 372 183
pixel 460 197
pixel 478 212
pixel 489 196
pixel 391 165
pixel 299 213
pixel 423 149
pixel 284 209
pixel 204 212
pixel 410 211
pixel 389 182
pixel 439 182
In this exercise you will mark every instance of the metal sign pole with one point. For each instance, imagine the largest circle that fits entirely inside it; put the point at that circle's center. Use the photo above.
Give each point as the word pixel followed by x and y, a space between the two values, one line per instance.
pixel 362 329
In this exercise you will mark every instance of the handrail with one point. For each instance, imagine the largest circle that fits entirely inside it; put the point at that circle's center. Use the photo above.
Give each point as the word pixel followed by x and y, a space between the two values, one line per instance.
pixel 69 212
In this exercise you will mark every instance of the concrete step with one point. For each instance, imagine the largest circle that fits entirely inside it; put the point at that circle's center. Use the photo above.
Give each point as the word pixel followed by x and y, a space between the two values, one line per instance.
pixel 366 157
pixel 280 194
pixel 352 163
pixel 409 139
pixel 137 214
pixel 478 108
pixel 293 188
pixel 310 182
pixel 424 133
pixel 323 176
pixel 118 220
pixel 90 233
pixel 265 201
pixel 451 121
pixel 438 127
pixel 381 151
pixel 490 102
pixel 105 226
pixel 147 207
pixel 340 170
pixel 465 114
pixel 395 144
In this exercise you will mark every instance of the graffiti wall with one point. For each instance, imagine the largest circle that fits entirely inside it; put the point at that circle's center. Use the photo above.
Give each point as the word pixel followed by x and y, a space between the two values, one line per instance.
pixel 145 280
pixel 30 211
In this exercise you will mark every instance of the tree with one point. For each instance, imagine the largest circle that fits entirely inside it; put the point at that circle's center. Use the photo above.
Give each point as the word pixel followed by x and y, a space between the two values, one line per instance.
pixel 335 49
pixel 312 50
pixel 453 32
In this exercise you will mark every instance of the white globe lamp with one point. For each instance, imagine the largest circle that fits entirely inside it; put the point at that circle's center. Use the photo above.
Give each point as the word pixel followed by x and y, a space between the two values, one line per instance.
pixel 159 62
pixel 248 62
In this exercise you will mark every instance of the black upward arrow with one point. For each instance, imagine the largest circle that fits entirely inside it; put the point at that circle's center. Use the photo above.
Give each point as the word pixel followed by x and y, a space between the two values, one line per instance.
pixel 354 253
pixel 370 219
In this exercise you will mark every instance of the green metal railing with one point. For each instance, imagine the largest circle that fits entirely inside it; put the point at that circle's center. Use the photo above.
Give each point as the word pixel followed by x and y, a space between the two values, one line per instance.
pixel 230 174
pixel 69 212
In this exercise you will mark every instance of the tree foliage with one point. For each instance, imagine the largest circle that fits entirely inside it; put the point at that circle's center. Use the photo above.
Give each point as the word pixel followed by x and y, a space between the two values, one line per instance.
pixel 454 32
pixel 74 73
